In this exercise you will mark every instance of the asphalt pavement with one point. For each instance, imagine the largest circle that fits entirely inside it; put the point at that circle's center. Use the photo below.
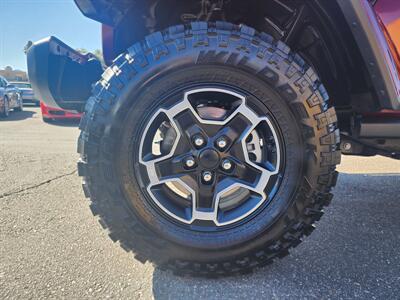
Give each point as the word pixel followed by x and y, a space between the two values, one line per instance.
pixel 52 247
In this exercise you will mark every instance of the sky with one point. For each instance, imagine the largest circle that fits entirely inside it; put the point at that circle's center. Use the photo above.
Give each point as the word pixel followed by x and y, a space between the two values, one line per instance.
pixel 24 20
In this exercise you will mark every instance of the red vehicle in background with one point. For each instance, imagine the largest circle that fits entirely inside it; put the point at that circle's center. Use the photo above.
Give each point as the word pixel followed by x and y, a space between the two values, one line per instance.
pixel 51 114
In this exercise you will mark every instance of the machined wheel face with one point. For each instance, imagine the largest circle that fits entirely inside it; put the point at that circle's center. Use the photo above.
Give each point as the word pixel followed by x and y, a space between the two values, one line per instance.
pixel 211 159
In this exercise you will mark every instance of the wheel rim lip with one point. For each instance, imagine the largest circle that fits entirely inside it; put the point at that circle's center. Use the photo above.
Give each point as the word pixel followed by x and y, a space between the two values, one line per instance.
pixel 196 215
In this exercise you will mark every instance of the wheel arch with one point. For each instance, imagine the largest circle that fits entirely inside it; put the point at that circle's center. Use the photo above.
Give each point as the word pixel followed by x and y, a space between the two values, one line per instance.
pixel 317 30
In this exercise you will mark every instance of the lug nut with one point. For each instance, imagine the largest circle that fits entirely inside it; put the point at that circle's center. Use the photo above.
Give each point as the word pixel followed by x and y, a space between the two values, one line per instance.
pixel 199 141
pixel 226 165
pixel 207 176
pixel 189 162
pixel 221 143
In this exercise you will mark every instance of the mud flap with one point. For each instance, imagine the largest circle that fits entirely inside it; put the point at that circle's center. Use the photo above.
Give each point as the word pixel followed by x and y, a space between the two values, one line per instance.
pixel 62 77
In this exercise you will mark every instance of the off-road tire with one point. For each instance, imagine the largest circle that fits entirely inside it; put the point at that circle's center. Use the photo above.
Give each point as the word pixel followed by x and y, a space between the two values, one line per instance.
pixel 238 48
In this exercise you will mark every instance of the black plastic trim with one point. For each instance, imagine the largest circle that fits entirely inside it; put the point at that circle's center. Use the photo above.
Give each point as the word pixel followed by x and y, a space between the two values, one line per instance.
pixel 60 76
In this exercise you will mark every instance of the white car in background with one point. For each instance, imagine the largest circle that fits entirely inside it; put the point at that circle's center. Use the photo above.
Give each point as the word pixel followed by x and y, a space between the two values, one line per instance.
pixel 25 88
pixel 10 98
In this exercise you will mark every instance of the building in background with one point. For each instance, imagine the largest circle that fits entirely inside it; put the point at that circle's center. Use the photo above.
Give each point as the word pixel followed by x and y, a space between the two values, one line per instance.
pixel 13 75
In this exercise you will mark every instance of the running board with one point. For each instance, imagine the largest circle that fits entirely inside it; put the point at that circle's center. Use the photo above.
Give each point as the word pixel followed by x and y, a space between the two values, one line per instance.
pixel 62 77
pixel 379 127
pixel 374 134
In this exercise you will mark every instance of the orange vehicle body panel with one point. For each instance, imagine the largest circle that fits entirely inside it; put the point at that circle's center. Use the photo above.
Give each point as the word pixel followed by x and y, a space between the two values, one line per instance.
pixel 388 12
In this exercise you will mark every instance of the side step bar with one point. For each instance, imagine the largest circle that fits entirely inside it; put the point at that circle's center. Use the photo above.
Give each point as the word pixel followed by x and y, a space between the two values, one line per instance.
pixel 62 77
pixel 373 135
pixel 380 128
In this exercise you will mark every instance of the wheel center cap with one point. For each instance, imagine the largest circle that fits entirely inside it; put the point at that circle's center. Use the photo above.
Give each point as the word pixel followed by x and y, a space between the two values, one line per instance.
pixel 209 158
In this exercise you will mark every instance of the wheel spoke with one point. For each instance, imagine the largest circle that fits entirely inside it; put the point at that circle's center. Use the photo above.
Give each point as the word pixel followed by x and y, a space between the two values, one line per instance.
pixel 171 167
pixel 236 129
pixel 189 126
pixel 204 196
pixel 247 174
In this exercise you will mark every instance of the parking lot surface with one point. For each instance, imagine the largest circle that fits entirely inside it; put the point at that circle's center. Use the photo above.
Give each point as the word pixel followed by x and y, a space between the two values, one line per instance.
pixel 52 246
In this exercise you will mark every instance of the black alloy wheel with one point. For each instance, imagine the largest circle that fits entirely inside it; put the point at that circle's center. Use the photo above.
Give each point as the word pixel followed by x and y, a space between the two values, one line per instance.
pixel 209 159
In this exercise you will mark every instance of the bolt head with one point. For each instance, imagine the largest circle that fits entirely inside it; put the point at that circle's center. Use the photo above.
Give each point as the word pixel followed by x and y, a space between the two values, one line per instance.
pixel 221 143
pixel 199 141
pixel 189 162
pixel 347 146
pixel 226 165
pixel 207 176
